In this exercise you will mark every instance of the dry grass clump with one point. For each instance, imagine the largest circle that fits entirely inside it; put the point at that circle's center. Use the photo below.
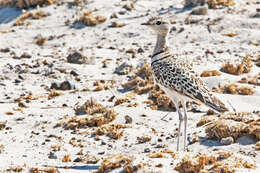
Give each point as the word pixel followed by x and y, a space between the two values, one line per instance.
pixel 89 20
pixel 243 67
pixel 223 162
pixel 128 6
pixel 142 83
pixel 2 125
pixel 28 97
pixel 25 3
pixel 235 89
pixel 30 15
pixel 114 162
pixel 66 158
pixel 54 93
pixel 232 124
pixel 212 3
pixel 88 159
pixel 14 169
pixel 144 139
pixel 162 154
pixel 44 170
pixel 115 24
pixel 210 73
pixel 97 115
pixel 253 80
pixel 195 164
pixel 115 131
pixel 257 145
pixel 220 3
pixel 226 128
pixel 103 85
pixel 121 101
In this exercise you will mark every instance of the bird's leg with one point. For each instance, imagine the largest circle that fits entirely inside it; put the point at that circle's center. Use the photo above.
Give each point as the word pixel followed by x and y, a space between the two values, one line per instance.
pixel 180 122
pixel 185 123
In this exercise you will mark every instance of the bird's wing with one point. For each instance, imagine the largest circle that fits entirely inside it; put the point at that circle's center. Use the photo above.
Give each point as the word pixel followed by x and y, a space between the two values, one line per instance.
pixel 180 77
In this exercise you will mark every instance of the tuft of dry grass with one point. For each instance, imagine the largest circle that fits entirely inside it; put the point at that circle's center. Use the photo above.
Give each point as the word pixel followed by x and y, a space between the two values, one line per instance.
pixel 195 164
pixel 44 170
pixel 116 24
pixel 40 41
pixel 66 158
pixel 253 80
pixel 103 85
pixel 30 15
pixel 235 89
pixel 15 169
pixel 128 6
pixel 2 125
pixel 144 139
pixel 210 73
pixel 54 93
pixel 113 162
pixel 211 3
pixel 121 101
pixel 220 3
pixel 115 131
pixel 97 115
pixel 232 124
pixel 243 67
pixel 89 20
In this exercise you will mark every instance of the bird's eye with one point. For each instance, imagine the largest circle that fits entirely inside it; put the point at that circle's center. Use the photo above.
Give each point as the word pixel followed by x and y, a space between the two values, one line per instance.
pixel 158 23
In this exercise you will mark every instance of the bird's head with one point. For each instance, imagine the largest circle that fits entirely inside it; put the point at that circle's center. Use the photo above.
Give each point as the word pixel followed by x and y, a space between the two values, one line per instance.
pixel 160 25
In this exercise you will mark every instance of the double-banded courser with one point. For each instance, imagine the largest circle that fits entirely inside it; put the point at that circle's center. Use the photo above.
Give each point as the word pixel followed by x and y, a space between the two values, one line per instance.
pixel 176 77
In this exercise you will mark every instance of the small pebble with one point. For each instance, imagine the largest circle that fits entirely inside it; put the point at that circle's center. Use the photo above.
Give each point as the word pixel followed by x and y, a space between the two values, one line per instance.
pixel 147 150
pixel 52 155
pixel 128 119
pixel 227 141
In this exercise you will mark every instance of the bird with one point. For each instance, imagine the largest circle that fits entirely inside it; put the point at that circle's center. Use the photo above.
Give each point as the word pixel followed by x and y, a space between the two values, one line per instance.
pixel 177 78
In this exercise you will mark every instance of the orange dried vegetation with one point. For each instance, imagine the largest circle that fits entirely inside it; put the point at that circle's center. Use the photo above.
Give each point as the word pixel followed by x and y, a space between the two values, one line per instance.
pixel 210 73
pixel 243 67
pixel 113 162
pixel 44 170
pixel 30 15
pixel 195 164
pixel 235 89
pixel 253 80
pixel 89 20
pixel 97 115
pixel 232 124
pixel 115 131
pixel 220 3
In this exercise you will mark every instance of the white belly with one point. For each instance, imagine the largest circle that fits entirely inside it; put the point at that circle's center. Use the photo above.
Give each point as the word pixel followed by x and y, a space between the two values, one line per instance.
pixel 175 96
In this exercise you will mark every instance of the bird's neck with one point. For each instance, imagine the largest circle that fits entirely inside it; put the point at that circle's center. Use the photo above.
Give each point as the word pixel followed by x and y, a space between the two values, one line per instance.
pixel 161 44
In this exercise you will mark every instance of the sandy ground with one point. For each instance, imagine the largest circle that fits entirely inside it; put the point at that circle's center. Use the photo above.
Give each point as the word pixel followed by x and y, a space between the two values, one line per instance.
pixel 30 133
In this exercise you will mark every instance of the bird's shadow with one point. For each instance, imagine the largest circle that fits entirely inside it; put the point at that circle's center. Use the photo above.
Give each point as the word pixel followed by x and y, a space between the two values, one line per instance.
pixel 9 14
pixel 209 142
pixel 82 167
pixel 163 11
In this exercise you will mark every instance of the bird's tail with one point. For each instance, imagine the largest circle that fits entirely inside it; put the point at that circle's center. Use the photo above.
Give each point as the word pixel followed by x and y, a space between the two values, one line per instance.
pixel 216 104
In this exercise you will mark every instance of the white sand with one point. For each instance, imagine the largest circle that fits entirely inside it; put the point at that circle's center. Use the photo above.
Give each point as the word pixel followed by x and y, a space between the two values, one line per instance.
pixel 22 148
